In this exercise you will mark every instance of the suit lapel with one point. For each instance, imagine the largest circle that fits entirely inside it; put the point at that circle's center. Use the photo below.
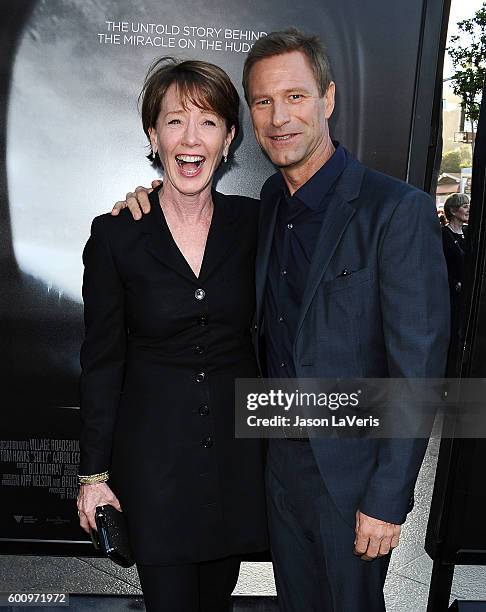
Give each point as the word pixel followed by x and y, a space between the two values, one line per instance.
pixel 336 219
pixel 221 236
pixel 268 219
pixel 160 243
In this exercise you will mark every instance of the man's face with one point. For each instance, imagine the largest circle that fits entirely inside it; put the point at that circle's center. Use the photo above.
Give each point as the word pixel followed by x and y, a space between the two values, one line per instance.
pixel 290 118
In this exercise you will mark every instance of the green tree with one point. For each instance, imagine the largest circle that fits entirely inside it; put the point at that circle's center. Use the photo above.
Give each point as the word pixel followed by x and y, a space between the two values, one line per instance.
pixel 466 156
pixel 468 55
pixel 451 162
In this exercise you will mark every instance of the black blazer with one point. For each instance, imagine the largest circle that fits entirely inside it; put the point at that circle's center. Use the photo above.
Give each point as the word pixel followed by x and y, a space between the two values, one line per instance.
pixel 454 249
pixel 161 353
pixel 388 317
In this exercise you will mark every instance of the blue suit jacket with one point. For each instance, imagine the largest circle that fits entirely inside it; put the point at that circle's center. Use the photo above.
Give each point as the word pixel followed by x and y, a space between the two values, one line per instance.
pixel 387 317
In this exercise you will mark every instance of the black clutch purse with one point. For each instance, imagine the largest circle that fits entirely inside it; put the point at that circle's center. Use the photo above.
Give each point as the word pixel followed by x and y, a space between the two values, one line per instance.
pixel 112 535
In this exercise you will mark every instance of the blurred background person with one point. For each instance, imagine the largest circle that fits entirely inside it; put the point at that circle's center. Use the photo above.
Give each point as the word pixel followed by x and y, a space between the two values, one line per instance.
pixel 441 215
pixel 456 211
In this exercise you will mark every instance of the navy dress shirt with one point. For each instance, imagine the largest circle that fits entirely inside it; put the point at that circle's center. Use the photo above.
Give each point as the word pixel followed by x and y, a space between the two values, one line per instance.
pixel 299 220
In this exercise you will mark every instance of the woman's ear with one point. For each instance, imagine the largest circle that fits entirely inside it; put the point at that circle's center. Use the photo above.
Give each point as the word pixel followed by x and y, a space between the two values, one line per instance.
pixel 153 139
pixel 228 140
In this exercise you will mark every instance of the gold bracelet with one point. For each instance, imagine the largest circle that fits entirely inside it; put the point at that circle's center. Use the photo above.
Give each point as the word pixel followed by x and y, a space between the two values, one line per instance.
pixel 93 478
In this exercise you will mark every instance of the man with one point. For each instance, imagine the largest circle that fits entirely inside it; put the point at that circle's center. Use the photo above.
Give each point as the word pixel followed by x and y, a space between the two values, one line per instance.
pixel 351 282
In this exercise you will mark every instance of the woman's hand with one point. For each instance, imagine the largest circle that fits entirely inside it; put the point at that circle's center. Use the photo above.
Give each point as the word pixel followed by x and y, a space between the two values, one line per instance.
pixel 89 497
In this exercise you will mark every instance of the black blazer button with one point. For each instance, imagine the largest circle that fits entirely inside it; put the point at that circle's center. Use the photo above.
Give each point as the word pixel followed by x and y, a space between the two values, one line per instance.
pixel 200 377
pixel 207 442
pixel 204 410
pixel 199 349
pixel 203 320
pixel 199 294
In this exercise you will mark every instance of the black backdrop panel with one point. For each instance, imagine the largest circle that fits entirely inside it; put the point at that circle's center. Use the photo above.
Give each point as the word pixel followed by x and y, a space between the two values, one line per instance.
pixel 70 73
pixel 456 531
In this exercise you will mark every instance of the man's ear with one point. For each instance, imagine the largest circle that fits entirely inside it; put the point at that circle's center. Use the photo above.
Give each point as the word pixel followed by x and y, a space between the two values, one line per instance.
pixel 329 98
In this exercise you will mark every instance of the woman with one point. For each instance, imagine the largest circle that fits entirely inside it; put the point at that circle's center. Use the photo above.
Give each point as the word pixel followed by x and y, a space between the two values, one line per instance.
pixel 456 210
pixel 169 302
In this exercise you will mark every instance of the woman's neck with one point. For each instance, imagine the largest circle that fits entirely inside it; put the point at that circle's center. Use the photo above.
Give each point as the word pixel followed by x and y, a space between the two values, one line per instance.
pixel 188 209
pixel 456 225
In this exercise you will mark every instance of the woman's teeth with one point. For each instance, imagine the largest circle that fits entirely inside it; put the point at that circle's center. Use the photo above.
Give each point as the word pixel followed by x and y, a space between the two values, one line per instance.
pixel 189 159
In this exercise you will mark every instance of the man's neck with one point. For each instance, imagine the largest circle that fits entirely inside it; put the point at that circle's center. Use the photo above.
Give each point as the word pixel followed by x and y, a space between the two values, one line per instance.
pixel 298 175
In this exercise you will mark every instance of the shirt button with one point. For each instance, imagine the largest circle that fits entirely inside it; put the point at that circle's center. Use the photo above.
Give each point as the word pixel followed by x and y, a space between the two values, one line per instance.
pixel 290 225
pixel 207 442
pixel 200 377
pixel 204 410
pixel 199 349
pixel 280 319
pixel 284 272
pixel 282 364
pixel 199 294
pixel 203 320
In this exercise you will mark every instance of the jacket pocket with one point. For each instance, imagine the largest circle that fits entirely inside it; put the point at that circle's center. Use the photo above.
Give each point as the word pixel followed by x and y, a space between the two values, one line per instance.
pixel 348 281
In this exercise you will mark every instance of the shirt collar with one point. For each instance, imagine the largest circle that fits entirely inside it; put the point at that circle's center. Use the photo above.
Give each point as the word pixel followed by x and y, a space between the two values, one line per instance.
pixel 313 192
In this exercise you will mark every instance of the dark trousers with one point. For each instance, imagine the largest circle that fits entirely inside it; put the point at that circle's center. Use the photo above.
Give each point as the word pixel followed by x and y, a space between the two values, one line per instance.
pixel 193 587
pixel 312 546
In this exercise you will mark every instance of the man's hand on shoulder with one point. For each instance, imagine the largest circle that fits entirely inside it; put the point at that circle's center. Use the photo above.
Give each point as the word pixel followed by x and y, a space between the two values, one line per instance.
pixel 374 538
pixel 137 201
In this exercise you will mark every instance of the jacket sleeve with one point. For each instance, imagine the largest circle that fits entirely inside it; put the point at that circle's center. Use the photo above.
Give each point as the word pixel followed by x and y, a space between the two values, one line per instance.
pixel 415 311
pixel 102 352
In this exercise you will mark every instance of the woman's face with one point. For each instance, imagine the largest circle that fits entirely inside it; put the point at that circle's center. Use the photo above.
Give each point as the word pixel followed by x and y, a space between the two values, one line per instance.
pixel 462 213
pixel 190 142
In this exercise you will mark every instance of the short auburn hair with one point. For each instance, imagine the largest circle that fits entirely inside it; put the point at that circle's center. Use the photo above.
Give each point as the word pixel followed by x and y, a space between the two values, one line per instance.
pixel 286 41
pixel 201 83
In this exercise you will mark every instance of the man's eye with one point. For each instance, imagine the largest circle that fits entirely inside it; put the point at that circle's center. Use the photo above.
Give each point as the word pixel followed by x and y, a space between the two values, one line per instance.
pixel 296 96
pixel 209 122
pixel 174 121
pixel 263 102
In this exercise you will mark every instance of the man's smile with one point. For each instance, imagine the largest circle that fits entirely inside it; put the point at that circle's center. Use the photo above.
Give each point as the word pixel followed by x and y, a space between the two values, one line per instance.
pixel 283 137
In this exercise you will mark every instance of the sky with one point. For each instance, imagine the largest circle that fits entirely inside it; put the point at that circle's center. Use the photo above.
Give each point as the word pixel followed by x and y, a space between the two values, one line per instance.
pixel 460 9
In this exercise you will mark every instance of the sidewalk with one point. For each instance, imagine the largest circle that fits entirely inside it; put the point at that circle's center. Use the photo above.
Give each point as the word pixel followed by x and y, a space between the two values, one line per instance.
pixel 406 588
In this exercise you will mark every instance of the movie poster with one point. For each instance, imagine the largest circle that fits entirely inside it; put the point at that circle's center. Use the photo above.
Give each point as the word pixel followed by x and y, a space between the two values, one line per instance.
pixel 71 72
